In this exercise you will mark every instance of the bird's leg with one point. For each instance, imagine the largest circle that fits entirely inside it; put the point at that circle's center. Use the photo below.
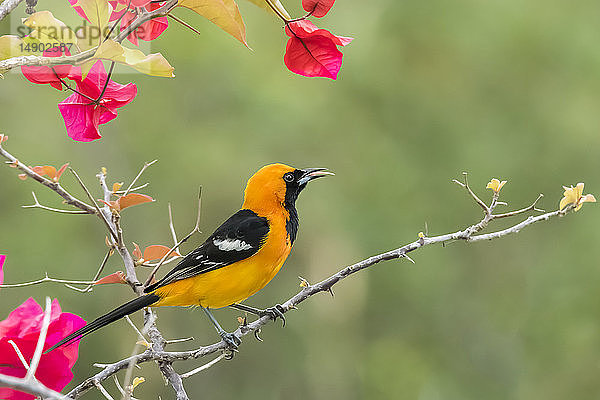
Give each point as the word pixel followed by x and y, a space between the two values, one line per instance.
pixel 232 341
pixel 272 312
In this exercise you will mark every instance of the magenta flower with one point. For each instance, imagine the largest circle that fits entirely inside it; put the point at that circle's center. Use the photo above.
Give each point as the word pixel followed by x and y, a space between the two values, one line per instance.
pixel 148 31
pixel 311 51
pixel 23 326
pixel 318 7
pixel 83 114
pixel 2 258
pixel 52 76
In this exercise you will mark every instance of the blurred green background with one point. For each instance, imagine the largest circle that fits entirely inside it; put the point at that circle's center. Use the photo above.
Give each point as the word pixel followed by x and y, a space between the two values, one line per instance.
pixel 506 89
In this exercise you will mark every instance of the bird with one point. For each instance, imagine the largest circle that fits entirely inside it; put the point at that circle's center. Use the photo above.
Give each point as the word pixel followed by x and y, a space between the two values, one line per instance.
pixel 236 261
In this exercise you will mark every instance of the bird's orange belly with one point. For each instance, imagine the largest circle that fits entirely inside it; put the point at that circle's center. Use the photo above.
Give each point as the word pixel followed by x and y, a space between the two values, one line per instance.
pixel 226 285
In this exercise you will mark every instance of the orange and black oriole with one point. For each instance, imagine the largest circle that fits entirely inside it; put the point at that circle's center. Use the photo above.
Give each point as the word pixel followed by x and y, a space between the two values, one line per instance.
pixel 237 260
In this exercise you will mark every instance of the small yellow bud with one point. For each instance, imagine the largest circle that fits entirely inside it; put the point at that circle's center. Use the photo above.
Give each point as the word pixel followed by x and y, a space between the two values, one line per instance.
pixel 136 381
pixel 104 171
pixel 495 185
pixel 575 196
pixel 143 343
pixel 421 235
pixel 303 282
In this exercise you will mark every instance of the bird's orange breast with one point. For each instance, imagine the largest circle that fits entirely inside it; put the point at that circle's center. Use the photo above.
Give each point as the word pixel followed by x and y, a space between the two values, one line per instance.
pixel 235 282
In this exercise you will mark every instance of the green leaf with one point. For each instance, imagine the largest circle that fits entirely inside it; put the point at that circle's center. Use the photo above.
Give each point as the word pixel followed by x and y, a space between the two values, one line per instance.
pixel 153 64
pixel 223 13
pixel 276 3
pixel 10 46
pixel 48 29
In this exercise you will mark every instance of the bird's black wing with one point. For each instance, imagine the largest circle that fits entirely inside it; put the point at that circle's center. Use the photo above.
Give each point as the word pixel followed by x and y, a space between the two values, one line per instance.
pixel 238 238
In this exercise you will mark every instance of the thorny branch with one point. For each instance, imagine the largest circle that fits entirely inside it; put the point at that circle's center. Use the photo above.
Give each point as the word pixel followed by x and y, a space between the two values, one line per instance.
pixel 165 359
pixel 468 234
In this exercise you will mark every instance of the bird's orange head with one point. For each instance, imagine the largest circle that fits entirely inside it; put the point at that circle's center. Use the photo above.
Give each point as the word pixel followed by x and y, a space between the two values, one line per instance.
pixel 276 186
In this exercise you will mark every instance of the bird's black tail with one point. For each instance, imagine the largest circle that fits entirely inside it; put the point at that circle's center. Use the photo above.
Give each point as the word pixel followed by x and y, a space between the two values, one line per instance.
pixel 118 313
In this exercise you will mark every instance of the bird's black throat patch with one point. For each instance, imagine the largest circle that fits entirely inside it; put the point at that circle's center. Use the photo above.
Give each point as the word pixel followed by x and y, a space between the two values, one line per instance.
pixel 292 191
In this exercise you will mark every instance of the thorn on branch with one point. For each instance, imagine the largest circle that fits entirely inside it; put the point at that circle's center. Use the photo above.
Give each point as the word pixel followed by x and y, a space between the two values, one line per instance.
pixel 204 367
pixel 173 341
pixel 408 258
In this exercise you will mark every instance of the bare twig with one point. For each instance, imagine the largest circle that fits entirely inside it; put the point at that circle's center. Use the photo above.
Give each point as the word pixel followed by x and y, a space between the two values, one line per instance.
pixel 146 165
pixel 46 279
pixel 532 207
pixel 121 390
pixel 172 228
pixel 103 391
pixel 90 286
pixel 176 245
pixel 465 184
pixel 39 347
pixel 19 354
pixel 100 214
pixel 122 192
pixel 203 367
pixel 140 334
pixel 173 341
pixel 38 205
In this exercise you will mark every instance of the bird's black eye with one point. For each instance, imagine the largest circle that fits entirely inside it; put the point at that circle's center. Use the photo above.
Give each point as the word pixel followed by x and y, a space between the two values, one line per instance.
pixel 288 177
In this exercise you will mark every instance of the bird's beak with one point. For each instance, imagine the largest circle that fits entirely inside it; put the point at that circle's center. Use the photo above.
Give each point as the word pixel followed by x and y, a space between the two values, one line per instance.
pixel 313 173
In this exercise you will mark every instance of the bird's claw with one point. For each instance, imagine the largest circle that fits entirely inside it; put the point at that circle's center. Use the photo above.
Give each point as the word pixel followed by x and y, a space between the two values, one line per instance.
pixel 275 312
pixel 231 340
pixel 257 335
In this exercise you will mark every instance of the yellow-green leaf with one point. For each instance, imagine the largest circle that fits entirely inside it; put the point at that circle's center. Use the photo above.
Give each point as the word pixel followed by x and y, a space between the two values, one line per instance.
pixel 276 3
pixel 223 13
pixel 86 67
pixel 97 11
pixel 10 46
pixel 152 64
pixel 48 29
pixel 87 37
